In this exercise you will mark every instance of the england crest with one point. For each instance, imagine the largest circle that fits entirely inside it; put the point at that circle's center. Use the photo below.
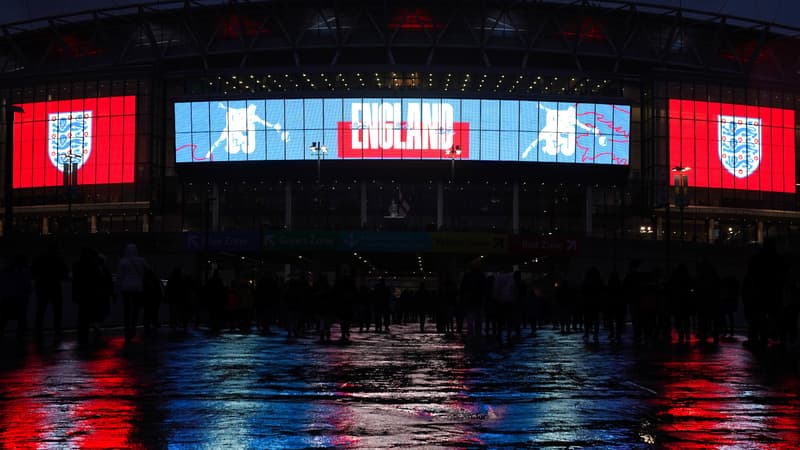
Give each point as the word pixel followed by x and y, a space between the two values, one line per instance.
pixel 740 144
pixel 70 138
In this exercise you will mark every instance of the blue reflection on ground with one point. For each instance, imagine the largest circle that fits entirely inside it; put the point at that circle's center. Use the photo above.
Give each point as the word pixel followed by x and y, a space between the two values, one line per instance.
pixel 405 389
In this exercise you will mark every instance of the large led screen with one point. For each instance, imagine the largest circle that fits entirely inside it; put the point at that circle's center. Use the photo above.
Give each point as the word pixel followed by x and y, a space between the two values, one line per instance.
pixel 93 136
pixel 402 128
pixel 732 146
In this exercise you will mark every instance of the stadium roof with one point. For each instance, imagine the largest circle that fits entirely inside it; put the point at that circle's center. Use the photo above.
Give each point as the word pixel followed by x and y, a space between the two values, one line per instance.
pixel 778 12
pixel 738 40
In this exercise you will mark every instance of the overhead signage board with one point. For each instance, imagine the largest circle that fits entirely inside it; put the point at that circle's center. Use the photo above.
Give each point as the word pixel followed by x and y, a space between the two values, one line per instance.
pixel 402 128
pixel 94 137
pixel 732 146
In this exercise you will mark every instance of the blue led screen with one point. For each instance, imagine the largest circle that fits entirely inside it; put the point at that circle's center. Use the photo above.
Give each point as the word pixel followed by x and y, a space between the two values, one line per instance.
pixel 402 128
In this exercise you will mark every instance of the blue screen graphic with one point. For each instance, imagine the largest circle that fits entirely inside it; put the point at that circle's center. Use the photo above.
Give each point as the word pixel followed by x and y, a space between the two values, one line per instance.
pixel 402 128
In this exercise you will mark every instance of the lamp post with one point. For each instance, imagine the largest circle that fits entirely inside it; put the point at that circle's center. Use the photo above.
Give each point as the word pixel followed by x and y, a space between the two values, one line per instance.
pixel 319 149
pixel 453 153
pixel 70 171
pixel 8 217
pixel 681 182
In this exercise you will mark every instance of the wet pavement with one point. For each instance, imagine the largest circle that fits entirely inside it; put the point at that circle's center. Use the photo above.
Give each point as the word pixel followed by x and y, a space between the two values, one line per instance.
pixel 404 389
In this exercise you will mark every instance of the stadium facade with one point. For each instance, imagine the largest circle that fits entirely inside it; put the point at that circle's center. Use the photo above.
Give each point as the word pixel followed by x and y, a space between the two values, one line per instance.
pixel 516 127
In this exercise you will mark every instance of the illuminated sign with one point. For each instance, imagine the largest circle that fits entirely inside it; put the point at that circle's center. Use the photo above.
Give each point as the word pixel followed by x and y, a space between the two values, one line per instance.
pixel 402 128
pixel 94 137
pixel 732 146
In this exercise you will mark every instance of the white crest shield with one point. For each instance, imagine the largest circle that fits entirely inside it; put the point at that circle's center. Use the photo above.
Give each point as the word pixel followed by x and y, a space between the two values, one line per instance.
pixel 740 144
pixel 69 138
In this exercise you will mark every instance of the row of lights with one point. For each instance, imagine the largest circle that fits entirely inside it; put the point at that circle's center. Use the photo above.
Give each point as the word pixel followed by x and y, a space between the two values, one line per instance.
pixel 371 267
pixel 393 80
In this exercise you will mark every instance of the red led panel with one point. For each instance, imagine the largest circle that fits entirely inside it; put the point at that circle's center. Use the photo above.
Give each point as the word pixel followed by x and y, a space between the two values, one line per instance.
pixel 732 146
pixel 98 135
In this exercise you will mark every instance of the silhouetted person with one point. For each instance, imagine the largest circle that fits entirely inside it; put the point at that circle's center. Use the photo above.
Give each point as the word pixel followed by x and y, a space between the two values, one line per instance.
pixel 762 292
pixel 105 291
pixel 91 291
pixel 634 288
pixel 345 296
pixel 380 306
pixel 323 307
pixel 564 298
pixel 16 290
pixel 152 295
pixel 533 301
pixel 730 303
pixel 473 287
pixel 592 292
pixel 521 294
pixel 791 307
pixel 175 294
pixel 446 302
pixel 422 300
pixel 617 308
pixel 294 295
pixel 266 297
pixel 679 293
pixel 130 278
pixel 49 271
pixel 707 290
pixel 214 294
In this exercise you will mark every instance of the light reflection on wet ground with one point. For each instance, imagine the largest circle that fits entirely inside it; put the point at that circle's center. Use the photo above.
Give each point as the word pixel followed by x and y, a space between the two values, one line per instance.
pixel 403 389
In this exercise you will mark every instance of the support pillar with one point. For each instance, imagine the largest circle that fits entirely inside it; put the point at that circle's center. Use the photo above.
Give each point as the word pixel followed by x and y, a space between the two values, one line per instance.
pixel 287 220
pixel 439 205
pixel 214 207
pixel 588 210
pixel 515 208
pixel 93 224
pixel 363 204
pixel 45 225
pixel 146 222
pixel 660 234
pixel 760 232
pixel 711 226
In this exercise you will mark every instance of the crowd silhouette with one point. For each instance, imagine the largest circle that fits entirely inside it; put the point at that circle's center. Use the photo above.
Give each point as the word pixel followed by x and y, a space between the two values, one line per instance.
pixel 641 307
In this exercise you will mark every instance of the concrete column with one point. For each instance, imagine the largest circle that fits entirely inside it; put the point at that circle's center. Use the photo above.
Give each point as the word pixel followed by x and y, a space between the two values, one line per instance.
pixel 363 204
pixel 214 207
pixel 439 205
pixel 515 207
pixel 146 223
pixel 93 224
pixel 287 220
pixel 588 210
pixel 45 225
pixel 710 236
pixel 760 232
pixel 660 228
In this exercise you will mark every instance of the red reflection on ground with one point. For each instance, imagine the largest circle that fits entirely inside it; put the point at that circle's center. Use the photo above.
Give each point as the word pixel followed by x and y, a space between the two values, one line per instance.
pixel 696 412
pixel 720 401
pixel 784 415
pixel 23 420
pixel 104 419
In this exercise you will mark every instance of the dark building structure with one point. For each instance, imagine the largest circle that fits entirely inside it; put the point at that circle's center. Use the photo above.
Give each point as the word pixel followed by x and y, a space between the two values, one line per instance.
pixel 706 148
